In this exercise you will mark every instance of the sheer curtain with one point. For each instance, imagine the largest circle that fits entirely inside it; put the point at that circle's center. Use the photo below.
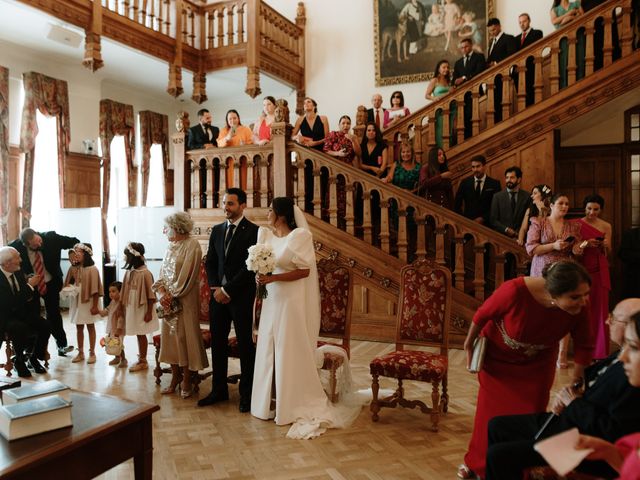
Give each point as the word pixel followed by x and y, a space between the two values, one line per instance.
pixel 118 191
pixel 155 193
pixel 45 202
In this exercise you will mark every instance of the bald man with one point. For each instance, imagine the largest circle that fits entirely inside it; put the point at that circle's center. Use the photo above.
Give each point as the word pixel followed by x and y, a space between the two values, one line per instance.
pixel 376 113
pixel 608 408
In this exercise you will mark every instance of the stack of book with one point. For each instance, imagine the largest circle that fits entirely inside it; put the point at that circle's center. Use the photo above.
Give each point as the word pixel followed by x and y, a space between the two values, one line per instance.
pixel 35 408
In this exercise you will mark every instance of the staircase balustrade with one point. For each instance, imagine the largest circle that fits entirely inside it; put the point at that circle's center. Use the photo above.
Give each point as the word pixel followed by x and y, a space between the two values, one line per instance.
pixel 605 32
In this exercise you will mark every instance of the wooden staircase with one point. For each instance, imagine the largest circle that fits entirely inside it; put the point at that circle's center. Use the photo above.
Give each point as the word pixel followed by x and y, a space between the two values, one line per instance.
pixel 382 227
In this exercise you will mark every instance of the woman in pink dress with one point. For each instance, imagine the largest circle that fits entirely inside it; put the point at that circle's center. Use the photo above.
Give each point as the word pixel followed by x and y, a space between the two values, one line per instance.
pixel 523 321
pixel 262 127
pixel 597 233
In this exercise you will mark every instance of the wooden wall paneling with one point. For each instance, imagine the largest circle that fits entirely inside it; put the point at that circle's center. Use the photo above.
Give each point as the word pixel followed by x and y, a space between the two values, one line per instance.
pixel 82 181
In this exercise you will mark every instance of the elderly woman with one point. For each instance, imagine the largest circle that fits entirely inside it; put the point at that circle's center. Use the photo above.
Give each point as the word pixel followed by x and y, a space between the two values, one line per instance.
pixel 178 290
pixel 522 322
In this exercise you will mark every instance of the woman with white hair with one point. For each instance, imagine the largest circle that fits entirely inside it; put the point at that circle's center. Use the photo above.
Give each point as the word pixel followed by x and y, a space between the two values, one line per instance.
pixel 178 290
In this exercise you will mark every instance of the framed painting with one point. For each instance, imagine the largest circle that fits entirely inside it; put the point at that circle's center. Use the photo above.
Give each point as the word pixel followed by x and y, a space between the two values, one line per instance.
pixel 412 36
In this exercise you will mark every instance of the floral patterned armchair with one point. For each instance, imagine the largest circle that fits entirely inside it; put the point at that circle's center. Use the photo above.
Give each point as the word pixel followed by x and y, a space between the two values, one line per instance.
pixel 423 320
pixel 335 316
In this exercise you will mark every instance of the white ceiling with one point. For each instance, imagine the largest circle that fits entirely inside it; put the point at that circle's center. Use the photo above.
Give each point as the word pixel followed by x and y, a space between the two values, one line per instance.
pixel 29 27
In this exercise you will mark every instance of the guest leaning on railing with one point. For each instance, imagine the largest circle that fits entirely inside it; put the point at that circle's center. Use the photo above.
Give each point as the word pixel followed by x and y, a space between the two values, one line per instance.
pixel 374 151
pixel 562 13
pixel 435 179
pixel 311 129
pixel 262 127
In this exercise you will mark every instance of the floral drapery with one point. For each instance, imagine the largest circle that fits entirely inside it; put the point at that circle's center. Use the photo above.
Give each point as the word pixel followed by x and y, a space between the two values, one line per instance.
pixel 154 128
pixel 51 97
pixel 4 153
pixel 115 119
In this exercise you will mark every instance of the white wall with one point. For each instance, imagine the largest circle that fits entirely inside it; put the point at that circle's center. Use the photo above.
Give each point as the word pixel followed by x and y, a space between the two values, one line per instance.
pixel 340 54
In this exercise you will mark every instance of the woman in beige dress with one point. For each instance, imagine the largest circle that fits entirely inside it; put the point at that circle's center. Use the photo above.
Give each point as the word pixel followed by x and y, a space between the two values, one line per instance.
pixel 178 290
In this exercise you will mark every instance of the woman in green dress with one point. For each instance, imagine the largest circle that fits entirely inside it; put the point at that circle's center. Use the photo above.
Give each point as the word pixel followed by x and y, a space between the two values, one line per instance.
pixel 438 86
pixel 562 13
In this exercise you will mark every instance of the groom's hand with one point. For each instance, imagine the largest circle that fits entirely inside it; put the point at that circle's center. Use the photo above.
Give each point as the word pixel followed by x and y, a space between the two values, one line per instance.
pixel 219 296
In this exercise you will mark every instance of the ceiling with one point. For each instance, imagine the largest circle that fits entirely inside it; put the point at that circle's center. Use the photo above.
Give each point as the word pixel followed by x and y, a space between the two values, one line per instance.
pixel 28 27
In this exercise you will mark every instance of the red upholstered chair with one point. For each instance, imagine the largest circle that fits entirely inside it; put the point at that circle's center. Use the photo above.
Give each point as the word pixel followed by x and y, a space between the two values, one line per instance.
pixel 424 308
pixel 335 315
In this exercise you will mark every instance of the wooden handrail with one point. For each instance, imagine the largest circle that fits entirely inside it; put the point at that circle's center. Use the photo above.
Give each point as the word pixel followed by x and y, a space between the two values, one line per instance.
pixel 545 54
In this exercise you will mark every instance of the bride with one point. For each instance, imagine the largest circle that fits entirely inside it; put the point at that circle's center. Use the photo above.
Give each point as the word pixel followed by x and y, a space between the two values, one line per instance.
pixel 288 332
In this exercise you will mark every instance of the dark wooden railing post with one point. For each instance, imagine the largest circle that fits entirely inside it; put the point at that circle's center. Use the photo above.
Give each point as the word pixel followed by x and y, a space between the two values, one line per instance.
pixel 478 278
pixel 458 271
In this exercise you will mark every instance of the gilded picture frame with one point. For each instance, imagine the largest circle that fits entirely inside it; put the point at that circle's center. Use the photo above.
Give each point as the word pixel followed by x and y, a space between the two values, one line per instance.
pixel 411 36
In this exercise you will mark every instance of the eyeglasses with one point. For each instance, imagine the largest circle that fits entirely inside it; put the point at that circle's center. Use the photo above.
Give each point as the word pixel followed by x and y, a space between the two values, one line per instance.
pixel 396 96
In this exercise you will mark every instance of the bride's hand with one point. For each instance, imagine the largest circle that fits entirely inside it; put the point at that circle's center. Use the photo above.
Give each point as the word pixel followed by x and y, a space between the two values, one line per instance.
pixel 262 279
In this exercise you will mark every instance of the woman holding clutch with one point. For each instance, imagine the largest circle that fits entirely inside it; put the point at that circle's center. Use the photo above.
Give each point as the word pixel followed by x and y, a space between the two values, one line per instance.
pixel 523 322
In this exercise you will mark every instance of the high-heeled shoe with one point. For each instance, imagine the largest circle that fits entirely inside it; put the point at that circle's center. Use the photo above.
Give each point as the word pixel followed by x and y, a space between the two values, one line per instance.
pixel 465 472
pixel 170 389
pixel 186 393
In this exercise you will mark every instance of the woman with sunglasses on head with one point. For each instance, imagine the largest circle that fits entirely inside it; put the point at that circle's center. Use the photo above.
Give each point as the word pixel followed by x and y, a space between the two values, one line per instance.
pixel 397 111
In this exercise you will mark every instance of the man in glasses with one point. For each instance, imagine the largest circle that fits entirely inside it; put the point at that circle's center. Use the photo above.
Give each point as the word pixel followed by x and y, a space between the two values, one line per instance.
pixel 607 407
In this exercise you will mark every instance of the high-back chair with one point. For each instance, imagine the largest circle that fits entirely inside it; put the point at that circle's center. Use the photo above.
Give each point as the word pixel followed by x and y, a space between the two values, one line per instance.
pixel 424 308
pixel 335 316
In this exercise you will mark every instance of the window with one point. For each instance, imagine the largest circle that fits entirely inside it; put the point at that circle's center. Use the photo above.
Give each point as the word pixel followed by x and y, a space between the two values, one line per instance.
pixel 118 188
pixel 45 197
pixel 632 140
pixel 635 189
pixel 155 192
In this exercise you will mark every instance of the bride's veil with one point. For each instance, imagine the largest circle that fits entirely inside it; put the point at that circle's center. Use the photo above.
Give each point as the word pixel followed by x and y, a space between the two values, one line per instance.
pixel 300 219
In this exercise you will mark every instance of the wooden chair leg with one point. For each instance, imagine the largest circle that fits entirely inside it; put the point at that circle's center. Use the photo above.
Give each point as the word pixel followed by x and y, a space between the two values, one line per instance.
pixel 445 394
pixel 435 407
pixel 9 352
pixel 333 383
pixel 375 405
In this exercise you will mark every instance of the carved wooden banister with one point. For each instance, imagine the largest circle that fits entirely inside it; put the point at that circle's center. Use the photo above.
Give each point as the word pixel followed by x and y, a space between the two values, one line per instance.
pixel 545 56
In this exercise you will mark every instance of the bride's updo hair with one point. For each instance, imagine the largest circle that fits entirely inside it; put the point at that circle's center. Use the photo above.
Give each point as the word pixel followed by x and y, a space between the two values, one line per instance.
pixel 283 207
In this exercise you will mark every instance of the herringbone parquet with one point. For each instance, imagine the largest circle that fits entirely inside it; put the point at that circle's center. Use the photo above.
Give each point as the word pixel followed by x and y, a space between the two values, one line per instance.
pixel 218 442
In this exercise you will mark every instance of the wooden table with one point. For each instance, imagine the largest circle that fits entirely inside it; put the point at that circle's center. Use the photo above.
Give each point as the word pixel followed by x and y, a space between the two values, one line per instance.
pixel 106 431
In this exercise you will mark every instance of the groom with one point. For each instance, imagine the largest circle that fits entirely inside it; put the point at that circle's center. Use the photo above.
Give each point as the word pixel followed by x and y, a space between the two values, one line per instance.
pixel 233 290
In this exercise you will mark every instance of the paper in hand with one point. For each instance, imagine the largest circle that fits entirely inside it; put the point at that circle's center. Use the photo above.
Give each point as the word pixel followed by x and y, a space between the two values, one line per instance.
pixel 560 451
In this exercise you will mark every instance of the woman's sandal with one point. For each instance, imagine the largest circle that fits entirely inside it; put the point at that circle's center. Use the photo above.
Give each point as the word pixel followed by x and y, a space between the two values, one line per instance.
pixel 465 472
pixel 170 389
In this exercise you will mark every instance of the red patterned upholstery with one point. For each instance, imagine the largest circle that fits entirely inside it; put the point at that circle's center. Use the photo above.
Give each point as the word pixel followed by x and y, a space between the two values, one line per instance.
pixel 205 295
pixel 424 308
pixel 335 315
pixel 410 365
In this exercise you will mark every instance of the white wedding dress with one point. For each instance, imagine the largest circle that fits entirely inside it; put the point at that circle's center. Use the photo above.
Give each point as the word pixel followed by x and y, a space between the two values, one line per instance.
pixel 287 339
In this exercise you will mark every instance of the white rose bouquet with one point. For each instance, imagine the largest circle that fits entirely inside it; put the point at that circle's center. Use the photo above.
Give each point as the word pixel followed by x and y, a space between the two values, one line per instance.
pixel 261 260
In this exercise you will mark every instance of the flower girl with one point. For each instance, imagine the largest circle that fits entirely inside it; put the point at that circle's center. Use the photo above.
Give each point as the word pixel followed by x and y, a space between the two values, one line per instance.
pixel 115 321
pixel 87 312
pixel 138 300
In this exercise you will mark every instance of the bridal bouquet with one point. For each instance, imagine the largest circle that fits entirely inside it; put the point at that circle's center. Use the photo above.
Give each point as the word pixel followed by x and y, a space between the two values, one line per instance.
pixel 261 260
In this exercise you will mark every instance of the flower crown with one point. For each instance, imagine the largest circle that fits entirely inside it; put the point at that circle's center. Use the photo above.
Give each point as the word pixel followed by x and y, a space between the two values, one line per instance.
pixel 84 247
pixel 133 251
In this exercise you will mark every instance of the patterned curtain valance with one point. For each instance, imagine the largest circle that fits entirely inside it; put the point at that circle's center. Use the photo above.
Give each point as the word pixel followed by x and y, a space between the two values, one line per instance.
pixel 154 129
pixel 4 154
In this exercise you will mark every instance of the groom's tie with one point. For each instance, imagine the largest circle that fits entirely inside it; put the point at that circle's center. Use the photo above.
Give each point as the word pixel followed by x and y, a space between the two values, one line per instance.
pixel 227 240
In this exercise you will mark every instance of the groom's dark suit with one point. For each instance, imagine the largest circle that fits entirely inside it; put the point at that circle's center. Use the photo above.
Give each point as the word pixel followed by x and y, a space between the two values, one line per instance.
pixel 197 137
pixel 229 271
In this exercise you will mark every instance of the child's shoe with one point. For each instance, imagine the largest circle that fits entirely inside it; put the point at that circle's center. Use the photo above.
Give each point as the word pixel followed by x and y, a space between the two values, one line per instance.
pixel 141 365
pixel 78 358
pixel 115 361
pixel 123 363
pixel 92 358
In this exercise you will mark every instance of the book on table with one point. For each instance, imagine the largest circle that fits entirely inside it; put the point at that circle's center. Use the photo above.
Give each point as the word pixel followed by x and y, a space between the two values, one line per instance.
pixel 34 416
pixel 9 382
pixel 36 390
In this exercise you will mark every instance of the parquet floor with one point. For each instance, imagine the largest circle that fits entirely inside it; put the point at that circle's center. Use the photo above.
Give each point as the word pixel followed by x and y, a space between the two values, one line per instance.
pixel 218 442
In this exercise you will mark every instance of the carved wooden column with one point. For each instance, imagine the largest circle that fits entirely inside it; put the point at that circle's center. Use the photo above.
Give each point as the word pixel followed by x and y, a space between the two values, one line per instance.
pixel 440 231
pixel 522 86
pixel 538 84
pixel 402 235
pixel 384 225
pixel 490 104
pixel 301 188
pixel 418 141
pixel 446 127
pixel 589 56
pixel 554 77
pixel 607 49
pixel 301 21
pixel 253 48
pixel 478 277
pixel 431 132
pixel 459 131
pixel 222 168
pixel 333 200
pixel 281 168
pixel 421 246
pixel 177 141
pixel 195 184
pixel 264 182
pixel 626 33
pixel 571 62
pixel 317 199
pixel 211 178
pixel 92 56
pixel 475 114
pixel 350 216
pixel 507 94
pixel 458 271
pixel 500 263
pixel 366 216
pixel 361 120
pixel 175 68
pixel 250 187
pixel 237 166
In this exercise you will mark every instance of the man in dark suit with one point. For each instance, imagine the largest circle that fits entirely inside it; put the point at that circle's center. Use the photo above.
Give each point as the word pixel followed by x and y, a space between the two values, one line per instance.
pixel 476 192
pixel 609 408
pixel 509 206
pixel 468 66
pixel 40 253
pixel 527 37
pixel 233 292
pixel 202 135
pixel 502 45
pixel 20 314
pixel 376 114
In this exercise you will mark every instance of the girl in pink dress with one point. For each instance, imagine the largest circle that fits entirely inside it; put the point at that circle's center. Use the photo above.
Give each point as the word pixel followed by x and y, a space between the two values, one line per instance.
pixel 597 233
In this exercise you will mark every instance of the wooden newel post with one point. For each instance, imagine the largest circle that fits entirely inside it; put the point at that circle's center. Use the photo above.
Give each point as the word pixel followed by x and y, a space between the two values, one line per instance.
pixel 281 168
pixel 181 182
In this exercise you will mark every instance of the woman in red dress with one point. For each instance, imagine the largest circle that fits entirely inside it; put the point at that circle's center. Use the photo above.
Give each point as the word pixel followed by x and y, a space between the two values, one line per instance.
pixel 523 322
pixel 597 233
